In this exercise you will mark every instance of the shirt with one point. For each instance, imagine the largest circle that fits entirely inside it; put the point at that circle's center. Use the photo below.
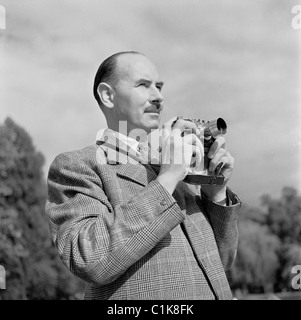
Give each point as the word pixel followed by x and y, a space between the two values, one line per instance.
pixel 130 142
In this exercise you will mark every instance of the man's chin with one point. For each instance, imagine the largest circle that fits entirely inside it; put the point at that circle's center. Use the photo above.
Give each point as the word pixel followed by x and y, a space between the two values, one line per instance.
pixel 153 119
pixel 153 124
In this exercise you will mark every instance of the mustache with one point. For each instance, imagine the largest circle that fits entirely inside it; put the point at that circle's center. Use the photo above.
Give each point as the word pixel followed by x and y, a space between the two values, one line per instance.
pixel 154 108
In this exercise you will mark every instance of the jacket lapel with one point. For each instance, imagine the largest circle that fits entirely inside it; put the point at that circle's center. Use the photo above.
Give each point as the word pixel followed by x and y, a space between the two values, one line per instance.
pixel 131 166
pixel 127 163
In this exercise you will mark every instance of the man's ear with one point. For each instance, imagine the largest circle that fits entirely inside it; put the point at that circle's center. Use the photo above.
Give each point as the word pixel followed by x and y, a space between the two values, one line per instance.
pixel 105 92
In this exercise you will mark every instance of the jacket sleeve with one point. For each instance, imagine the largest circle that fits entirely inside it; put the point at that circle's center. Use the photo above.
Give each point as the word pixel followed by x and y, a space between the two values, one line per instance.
pixel 223 220
pixel 95 241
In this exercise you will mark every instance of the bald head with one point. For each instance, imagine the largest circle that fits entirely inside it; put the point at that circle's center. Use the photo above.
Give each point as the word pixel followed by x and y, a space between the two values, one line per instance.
pixel 107 71
pixel 129 90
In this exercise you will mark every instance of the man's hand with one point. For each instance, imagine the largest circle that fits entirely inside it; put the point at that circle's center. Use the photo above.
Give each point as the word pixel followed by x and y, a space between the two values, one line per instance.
pixel 180 146
pixel 219 157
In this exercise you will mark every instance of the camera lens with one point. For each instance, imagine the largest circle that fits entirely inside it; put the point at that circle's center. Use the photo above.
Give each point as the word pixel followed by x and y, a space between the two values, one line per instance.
pixel 221 125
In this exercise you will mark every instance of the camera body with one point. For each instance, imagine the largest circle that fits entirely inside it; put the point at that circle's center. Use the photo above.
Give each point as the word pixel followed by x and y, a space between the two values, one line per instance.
pixel 209 132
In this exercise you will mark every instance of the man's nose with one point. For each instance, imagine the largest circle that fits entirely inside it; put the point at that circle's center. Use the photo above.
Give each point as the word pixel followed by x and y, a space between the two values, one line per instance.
pixel 156 95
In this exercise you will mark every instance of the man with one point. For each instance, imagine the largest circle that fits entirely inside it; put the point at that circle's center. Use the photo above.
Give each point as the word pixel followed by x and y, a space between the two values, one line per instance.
pixel 131 229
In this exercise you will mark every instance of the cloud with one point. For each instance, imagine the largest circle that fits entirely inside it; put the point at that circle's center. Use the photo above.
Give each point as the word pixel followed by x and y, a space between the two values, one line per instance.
pixel 237 60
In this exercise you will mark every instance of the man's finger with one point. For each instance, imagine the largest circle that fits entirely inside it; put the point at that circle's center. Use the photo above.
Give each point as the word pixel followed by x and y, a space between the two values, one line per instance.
pixel 221 153
pixel 220 142
pixel 197 157
pixel 190 139
pixel 224 161
pixel 185 126
pixel 193 140
pixel 169 124
pixel 166 128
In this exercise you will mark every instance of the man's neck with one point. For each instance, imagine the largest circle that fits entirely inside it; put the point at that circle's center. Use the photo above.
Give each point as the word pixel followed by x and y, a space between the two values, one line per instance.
pixel 137 134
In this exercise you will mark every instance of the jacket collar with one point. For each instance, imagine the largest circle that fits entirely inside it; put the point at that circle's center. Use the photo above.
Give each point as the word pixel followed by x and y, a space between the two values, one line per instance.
pixel 118 152
pixel 125 159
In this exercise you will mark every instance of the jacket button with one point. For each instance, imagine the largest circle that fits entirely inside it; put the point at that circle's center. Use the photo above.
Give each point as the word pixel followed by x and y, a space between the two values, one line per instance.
pixel 105 138
pixel 163 202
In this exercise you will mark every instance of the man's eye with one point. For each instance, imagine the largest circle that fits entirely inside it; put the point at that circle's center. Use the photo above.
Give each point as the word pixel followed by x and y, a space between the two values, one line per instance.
pixel 159 88
pixel 142 84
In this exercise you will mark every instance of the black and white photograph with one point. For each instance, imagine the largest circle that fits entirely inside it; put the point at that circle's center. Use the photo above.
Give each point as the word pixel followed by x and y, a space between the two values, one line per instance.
pixel 150 150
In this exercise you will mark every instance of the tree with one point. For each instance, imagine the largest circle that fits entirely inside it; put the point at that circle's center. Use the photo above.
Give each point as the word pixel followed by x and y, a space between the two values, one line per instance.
pixel 269 244
pixel 256 265
pixel 284 215
pixel 33 268
pixel 284 221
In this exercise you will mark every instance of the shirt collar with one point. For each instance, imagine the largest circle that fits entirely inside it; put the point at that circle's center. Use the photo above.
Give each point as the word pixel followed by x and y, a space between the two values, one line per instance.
pixel 130 142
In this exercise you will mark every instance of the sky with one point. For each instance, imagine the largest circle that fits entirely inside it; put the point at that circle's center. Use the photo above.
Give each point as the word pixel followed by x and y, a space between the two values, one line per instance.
pixel 239 60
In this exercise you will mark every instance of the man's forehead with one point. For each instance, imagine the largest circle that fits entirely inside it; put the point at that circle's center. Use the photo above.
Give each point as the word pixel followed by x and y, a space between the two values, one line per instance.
pixel 135 66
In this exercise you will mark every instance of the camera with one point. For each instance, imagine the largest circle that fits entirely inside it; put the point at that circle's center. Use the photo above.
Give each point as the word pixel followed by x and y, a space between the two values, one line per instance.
pixel 209 132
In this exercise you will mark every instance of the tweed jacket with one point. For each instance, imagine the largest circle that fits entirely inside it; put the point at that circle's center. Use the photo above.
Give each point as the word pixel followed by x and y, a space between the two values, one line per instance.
pixel 116 227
